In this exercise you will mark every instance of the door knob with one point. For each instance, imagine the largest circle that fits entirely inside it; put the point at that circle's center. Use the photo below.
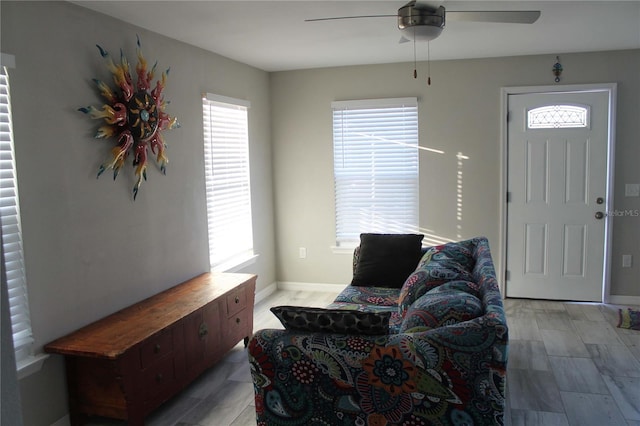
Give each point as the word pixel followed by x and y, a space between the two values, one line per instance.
pixel 599 215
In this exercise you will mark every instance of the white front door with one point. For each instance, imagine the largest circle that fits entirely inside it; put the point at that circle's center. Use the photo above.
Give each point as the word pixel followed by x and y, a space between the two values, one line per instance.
pixel 557 183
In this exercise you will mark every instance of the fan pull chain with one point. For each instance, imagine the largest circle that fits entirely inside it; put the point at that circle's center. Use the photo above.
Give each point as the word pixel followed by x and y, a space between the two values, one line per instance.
pixel 428 63
pixel 415 64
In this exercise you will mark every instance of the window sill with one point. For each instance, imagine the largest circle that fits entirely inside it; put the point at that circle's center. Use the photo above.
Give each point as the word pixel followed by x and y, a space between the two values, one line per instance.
pixel 343 249
pixel 31 365
pixel 235 265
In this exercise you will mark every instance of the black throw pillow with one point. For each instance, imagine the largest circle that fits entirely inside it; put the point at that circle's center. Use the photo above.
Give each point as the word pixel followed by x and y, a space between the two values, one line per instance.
pixel 386 260
pixel 342 321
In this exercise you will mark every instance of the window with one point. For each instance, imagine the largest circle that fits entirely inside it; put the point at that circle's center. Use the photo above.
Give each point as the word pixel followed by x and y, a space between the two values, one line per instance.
pixel 226 151
pixel 13 258
pixel 558 116
pixel 375 162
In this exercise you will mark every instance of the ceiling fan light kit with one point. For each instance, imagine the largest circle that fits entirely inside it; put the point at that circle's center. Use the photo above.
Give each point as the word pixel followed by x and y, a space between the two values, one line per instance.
pixel 420 24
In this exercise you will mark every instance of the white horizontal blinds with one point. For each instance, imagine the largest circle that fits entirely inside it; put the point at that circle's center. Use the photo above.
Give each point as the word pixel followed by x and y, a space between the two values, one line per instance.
pixel 226 149
pixel 375 146
pixel 11 230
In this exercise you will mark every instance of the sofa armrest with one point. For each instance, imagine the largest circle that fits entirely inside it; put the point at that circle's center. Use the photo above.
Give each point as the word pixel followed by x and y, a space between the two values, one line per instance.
pixel 446 375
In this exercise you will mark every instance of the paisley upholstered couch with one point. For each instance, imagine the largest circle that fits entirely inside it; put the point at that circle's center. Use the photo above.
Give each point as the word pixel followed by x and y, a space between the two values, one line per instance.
pixel 431 350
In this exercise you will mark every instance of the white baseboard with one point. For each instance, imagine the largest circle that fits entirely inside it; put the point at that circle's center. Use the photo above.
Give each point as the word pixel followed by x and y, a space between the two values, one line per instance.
pixel 302 286
pixel 265 292
pixel 299 286
pixel 624 300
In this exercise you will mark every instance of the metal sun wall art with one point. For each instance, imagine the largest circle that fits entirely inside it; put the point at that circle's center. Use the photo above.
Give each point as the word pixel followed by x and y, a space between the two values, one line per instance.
pixel 134 116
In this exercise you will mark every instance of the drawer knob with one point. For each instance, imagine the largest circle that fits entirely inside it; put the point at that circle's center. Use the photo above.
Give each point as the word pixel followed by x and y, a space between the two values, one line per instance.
pixel 237 299
pixel 237 320
pixel 159 377
pixel 203 330
pixel 156 348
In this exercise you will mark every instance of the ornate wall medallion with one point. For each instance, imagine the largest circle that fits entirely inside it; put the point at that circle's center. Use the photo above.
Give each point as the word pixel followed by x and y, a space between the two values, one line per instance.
pixel 134 116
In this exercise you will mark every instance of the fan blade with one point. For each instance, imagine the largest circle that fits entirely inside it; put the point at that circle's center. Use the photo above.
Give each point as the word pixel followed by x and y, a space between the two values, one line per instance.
pixel 503 16
pixel 350 17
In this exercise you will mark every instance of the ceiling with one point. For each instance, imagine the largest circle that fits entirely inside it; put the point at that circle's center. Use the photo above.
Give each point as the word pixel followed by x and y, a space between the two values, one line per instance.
pixel 273 36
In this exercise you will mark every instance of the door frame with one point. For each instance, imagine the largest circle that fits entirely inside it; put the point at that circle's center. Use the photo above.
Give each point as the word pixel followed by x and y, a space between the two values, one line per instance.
pixel 611 90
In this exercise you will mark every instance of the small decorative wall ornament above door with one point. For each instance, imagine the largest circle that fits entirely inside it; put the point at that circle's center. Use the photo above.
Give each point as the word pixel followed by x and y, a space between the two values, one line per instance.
pixel 134 115
pixel 557 69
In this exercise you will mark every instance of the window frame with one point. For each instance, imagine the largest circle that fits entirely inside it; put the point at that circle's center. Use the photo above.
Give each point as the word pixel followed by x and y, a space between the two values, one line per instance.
pixel 243 254
pixel 13 264
pixel 405 166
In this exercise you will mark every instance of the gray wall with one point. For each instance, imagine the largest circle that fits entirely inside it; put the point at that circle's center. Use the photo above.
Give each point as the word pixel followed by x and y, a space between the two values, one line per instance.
pixel 458 113
pixel 89 248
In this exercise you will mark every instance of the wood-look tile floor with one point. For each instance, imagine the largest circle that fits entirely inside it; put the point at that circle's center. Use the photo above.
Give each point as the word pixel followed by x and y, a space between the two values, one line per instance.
pixel 569 365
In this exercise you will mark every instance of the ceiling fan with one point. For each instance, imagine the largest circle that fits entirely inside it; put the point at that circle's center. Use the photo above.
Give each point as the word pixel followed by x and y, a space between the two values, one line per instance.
pixel 420 20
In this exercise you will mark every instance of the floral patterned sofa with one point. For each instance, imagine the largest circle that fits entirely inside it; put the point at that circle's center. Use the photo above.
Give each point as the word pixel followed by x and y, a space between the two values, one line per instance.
pixel 431 350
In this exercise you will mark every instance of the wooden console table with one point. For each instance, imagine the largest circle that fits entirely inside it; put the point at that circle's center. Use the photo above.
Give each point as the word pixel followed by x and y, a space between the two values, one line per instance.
pixel 127 364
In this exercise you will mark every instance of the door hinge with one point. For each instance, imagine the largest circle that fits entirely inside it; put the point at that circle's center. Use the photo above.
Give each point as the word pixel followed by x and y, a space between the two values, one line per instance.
pixel 508 116
pixel 508 197
pixel 507 275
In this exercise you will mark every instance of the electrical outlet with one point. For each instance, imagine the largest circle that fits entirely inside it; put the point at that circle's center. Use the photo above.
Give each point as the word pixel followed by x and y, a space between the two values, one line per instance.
pixel 302 252
pixel 626 261
pixel 632 190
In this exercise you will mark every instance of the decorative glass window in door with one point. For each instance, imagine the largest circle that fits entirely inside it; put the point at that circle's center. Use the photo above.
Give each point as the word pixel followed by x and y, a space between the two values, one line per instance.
pixel 558 116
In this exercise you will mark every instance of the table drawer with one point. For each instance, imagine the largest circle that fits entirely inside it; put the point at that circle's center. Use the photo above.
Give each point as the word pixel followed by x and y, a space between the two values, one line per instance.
pixel 239 326
pixel 158 378
pixel 156 347
pixel 236 301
